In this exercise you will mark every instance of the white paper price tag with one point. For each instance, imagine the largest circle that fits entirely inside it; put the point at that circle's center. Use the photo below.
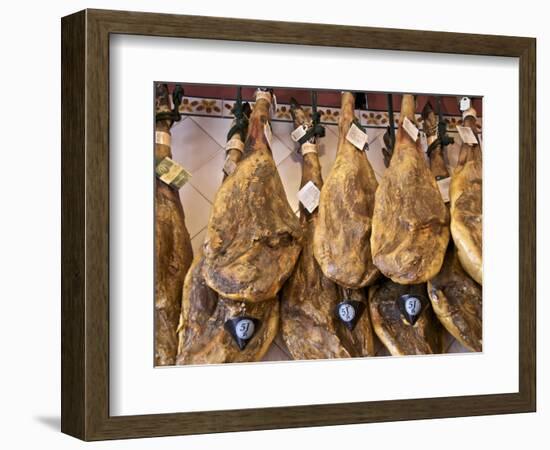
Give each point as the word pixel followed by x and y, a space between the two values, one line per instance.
pixel 298 133
pixel 357 137
pixel 411 129
pixel 466 135
pixel 309 196
pixel 268 134
pixel 465 103
pixel 229 166
pixel 443 186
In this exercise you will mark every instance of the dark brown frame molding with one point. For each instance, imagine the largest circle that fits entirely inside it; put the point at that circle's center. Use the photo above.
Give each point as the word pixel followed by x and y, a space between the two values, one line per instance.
pixel 85 224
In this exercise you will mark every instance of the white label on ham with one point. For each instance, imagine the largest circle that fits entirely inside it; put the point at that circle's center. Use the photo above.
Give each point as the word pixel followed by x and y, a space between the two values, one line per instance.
pixel 229 166
pixel 171 173
pixel 268 134
pixel 234 144
pixel 357 137
pixel 309 196
pixel 464 103
pixel 466 135
pixel 244 329
pixel 443 186
pixel 346 312
pixel 298 133
pixel 308 147
pixel 163 137
pixel 411 129
pixel 413 306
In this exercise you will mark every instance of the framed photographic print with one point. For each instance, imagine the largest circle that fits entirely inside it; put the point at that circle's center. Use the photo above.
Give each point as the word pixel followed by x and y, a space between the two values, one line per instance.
pixel 270 224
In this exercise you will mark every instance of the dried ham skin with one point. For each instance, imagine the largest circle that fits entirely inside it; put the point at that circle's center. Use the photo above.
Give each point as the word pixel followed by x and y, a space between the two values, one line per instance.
pixel 397 335
pixel 253 237
pixel 466 207
pixel 457 302
pixel 341 241
pixel 410 225
pixel 310 327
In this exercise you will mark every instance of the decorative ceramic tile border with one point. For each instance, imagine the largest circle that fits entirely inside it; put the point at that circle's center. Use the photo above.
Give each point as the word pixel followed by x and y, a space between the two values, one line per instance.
pixel 368 118
pixel 202 106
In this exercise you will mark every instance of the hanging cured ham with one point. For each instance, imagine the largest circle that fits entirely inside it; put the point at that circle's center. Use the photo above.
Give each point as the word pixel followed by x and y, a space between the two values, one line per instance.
pixel 455 297
pixel 204 337
pixel 466 203
pixel 403 319
pixel 435 146
pixel 457 302
pixel 311 324
pixel 173 252
pixel 253 237
pixel 410 225
pixel 341 241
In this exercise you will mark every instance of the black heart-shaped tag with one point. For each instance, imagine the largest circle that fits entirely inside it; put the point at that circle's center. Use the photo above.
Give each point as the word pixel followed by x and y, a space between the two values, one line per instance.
pixel 242 329
pixel 412 306
pixel 349 312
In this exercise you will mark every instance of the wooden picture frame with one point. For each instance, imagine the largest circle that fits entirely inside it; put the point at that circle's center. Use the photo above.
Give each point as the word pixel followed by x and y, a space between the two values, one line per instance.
pixel 85 224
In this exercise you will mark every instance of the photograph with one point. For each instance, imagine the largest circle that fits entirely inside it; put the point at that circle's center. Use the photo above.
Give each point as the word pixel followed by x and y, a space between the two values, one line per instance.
pixel 298 224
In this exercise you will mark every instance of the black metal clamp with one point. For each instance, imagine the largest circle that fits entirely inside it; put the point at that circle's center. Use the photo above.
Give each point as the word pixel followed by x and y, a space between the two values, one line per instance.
pixel 316 130
pixel 174 115
pixel 240 110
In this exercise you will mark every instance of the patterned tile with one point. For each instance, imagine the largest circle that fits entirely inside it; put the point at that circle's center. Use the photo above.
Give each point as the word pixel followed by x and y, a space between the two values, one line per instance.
pixel 191 145
pixel 208 178
pixel 290 171
pixel 374 118
pixel 196 208
pixel 205 106
pixel 282 130
pixel 216 128
pixel 283 113
pixel 329 115
pixel 280 151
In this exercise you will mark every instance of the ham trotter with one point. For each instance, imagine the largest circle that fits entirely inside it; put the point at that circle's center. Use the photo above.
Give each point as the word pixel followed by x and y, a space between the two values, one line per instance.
pixel 466 203
pixel 311 327
pixel 173 252
pixel 253 237
pixel 455 297
pixel 410 228
pixel 341 241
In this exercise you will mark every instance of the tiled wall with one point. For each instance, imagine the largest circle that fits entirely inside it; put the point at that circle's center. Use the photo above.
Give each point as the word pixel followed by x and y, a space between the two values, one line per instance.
pixel 198 145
